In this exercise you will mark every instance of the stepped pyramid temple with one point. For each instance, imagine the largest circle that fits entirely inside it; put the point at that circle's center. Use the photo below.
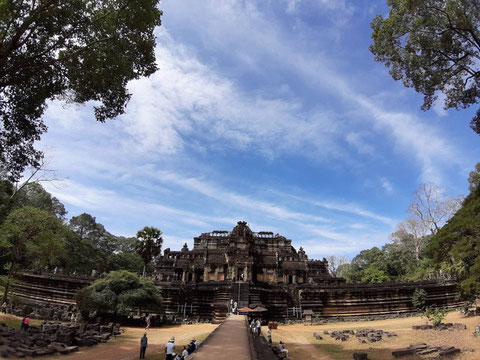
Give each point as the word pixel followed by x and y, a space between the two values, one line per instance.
pixel 259 270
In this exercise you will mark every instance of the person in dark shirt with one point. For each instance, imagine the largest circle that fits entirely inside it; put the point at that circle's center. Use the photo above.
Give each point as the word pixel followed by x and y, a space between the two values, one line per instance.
pixel 143 346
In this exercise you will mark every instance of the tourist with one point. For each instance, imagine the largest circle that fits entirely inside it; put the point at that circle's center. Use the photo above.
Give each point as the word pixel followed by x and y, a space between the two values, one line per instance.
pixel 269 335
pixel 4 307
pixel 259 327
pixel 235 307
pixel 148 323
pixel 191 347
pixel 169 347
pixel 253 326
pixel 176 356
pixel 281 346
pixel 184 353
pixel 143 345
pixel 25 323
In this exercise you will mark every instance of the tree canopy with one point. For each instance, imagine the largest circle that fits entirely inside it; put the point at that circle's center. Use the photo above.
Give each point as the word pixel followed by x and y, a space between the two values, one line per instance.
pixel 457 245
pixel 31 238
pixel 75 50
pixel 433 46
pixel 119 293
pixel 149 244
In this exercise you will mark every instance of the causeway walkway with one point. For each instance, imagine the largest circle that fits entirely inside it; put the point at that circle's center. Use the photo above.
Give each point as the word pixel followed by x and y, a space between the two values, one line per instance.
pixel 229 342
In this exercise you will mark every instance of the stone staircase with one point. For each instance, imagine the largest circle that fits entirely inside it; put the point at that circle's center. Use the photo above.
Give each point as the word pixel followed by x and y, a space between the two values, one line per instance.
pixel 241 293
pixel 220 306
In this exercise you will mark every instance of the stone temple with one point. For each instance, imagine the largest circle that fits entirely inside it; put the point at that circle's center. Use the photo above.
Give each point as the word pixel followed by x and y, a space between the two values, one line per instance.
pixel 243 255
pixel 254 269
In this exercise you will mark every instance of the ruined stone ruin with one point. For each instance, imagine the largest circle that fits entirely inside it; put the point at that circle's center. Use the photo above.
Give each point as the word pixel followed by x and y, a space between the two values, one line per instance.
pixel 52 338
pixel 255 270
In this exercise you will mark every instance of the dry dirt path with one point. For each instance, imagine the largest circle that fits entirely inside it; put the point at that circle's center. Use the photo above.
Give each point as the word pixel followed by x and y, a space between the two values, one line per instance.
pixel 230 342
pixel 127 346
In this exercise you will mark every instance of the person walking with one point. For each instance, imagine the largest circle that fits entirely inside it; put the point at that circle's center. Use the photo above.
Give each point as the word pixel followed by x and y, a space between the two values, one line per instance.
pixel 4 307
pixel 26 323
pixel 253 326
pixel 269 335
pixel 169 348
pixel 143 346
pixel 148 322
pixel 259 327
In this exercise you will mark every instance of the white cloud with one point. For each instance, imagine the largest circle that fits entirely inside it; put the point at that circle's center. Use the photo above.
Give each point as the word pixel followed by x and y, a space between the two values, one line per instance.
pixel 387 185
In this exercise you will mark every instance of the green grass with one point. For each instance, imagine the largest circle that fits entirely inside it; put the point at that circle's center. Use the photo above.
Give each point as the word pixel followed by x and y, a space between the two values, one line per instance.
pixel 15 321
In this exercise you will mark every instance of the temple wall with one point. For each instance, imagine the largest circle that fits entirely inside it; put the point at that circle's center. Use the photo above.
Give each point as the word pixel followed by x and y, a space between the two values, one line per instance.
pixel 207 300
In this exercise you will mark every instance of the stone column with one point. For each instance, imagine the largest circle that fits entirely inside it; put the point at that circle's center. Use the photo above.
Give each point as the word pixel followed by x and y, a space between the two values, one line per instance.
pixel 183 276
pixel 205 273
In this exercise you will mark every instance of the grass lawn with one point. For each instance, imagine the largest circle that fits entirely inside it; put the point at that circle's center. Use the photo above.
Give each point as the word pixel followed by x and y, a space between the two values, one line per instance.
pixel 302 345
pixel 15 321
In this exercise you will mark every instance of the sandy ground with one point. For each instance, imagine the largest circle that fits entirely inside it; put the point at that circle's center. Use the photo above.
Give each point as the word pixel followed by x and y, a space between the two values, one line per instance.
pixel 303 346
pixel 127 346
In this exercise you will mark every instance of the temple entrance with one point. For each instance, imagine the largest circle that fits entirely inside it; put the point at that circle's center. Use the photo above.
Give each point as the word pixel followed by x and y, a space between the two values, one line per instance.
pixel 240 274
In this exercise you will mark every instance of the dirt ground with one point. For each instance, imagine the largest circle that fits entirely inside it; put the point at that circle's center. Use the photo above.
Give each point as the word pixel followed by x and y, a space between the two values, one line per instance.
pixel 127 346
pixel 303 346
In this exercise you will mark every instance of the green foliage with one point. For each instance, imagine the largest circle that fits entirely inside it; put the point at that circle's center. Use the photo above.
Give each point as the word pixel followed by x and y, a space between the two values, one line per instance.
pixel 126 261
pixel 435 315
pixel 432 46
pixel 76 50
pixel 419 299
pixel 31 238
pixel 87 228
pixel 456 246
pixel 372 275
pixel 35 195
pixel 149 244
pixel 119 293
pixel 474 178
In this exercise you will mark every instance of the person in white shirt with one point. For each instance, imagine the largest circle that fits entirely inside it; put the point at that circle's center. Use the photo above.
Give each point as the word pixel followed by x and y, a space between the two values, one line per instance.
pixel 184 353
pixel 169 348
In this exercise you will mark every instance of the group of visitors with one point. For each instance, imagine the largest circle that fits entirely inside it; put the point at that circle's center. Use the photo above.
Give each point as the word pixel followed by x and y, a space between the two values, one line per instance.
pixel 169 349
pixel 256 327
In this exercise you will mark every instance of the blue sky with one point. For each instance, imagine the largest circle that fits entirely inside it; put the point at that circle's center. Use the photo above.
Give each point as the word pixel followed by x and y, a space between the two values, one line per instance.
pixel 273 112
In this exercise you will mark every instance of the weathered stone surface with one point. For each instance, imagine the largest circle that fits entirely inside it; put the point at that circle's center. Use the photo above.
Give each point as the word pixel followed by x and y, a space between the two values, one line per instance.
pixel 48 339
pixel 360 356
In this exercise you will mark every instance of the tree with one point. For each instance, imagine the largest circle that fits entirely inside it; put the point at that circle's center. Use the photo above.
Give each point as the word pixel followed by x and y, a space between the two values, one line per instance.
pixel 335 263
pixel 86 226
pixel 126 261
pixel 33 194
pixel 433 46
pixel 30 238
pixel 474 178
pixel 411 235
pixel 431 207
pixel 149 244
pixel 75 50
pixel 118 293
pixel 457 245
pixel 419 299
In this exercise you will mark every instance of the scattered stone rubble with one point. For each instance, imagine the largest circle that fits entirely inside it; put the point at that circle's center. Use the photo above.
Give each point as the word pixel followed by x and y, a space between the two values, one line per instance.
pixel 363 335
pixel 50 338
pixel 424 349
pixel 440 327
